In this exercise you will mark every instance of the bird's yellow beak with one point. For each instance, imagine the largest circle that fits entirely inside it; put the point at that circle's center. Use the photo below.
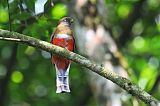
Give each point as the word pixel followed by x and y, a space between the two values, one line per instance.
pixel 72 20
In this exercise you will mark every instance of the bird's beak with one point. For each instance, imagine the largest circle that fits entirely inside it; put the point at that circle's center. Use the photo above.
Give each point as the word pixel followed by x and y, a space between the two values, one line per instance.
pixel 72 20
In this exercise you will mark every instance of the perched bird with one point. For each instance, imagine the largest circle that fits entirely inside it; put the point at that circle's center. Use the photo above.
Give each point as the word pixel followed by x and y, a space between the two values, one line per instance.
pixel 63 37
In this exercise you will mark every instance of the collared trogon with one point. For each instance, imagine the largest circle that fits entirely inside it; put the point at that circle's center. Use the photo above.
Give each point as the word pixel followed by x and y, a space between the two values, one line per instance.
pixel 63 37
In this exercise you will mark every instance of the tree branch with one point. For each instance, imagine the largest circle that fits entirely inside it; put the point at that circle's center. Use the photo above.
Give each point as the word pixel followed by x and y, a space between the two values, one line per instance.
pixel 120 81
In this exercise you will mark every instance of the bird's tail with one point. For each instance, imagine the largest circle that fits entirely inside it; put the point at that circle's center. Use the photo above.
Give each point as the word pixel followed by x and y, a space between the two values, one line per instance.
pixel 62 80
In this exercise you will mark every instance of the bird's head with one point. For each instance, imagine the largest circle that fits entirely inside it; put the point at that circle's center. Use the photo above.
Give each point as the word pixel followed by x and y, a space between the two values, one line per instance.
pixel 66 21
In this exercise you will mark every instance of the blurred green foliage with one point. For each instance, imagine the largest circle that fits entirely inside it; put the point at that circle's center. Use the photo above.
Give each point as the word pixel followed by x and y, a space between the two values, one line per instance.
pixel 143 51
pixel 59 11
pixel 123 10
pixel 4 15
pixel 32 81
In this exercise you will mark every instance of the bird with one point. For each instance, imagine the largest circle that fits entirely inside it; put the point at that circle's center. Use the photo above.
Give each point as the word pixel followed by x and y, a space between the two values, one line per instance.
pixel 63 36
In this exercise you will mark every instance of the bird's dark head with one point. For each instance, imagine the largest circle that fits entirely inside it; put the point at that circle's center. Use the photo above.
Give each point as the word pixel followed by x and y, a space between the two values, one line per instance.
pixel 66 21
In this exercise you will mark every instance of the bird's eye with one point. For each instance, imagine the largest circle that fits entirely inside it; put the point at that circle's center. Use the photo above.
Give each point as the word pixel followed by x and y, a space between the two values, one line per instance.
pixel 65 20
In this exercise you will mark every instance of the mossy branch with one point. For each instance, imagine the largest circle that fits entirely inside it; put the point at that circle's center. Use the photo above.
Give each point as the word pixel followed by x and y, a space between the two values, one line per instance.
pixel 120 81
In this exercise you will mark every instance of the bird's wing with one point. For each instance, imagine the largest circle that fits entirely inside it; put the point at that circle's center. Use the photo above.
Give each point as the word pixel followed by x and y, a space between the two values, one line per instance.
pixel 51 37
pixel 74 46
